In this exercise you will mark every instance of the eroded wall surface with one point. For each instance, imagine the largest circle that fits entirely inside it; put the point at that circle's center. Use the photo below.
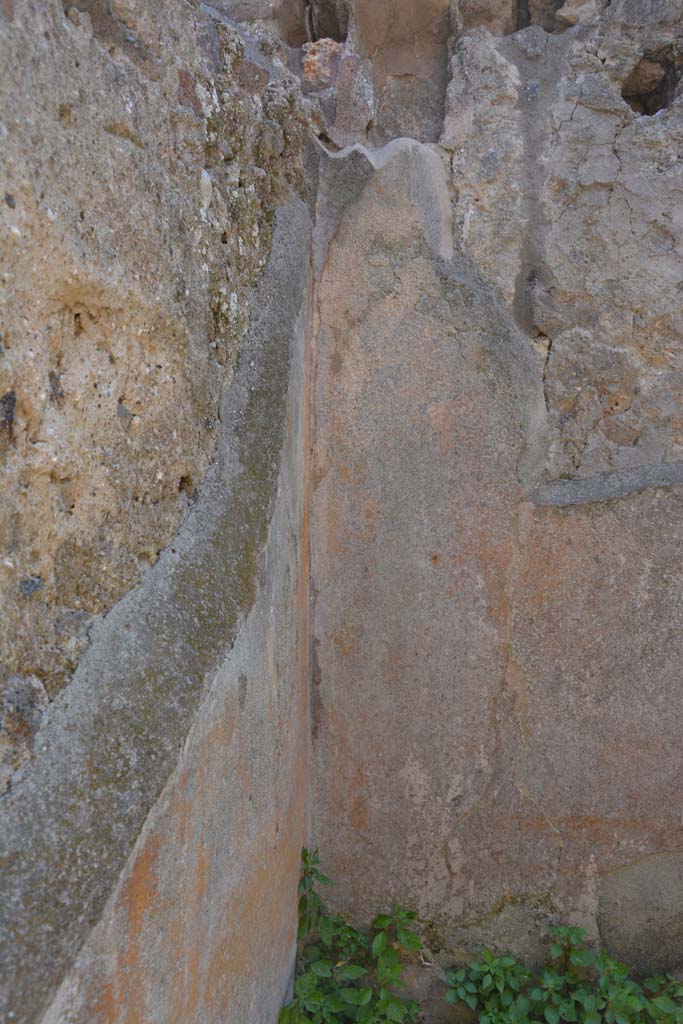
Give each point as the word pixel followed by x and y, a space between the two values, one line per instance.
pixel 202 923
pixel 207 895
pixel 498 509
pixel 154 575
pixel 144 155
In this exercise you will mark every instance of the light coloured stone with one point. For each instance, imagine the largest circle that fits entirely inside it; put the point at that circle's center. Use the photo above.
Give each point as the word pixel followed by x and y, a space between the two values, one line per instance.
pixel 321 62
pixel 498 16
pixel 523 781
pixel 407 44
pixel 576 12
pixel 419 472
pixel 355 101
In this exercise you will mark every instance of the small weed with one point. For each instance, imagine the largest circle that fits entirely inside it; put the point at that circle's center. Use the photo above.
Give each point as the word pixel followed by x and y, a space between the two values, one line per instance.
pixel 576 985
pixel 345 974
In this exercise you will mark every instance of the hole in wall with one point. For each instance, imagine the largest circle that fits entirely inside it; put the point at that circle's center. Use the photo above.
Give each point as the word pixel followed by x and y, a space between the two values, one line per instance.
pixel 305 21
pixel 537 12
pixel 328 19
pixel 652 84
pixel 187 486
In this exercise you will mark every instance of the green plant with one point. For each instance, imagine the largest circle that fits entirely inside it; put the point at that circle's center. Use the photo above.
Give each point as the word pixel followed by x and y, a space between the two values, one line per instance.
pixel 310 904
pixel 344 974
pixel 576 985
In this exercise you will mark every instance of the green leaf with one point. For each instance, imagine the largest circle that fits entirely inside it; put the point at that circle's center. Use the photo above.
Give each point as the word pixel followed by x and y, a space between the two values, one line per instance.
pixel 409 939
pixel 591 1018
pixel 665 1004
pixel 382 921
pixel 322 968
pixel 551 1014
pixel 395 1009
pixel 389 969
pixel 379 943
pixel 581 957
pixel 326 930
pixel 351 972
pixel 451 996
pixel 305 984
pixel 349 995
pixel 364 996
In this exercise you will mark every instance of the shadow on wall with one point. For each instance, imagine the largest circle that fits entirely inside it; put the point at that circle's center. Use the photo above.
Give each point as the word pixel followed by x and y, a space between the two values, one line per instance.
pixel 653 84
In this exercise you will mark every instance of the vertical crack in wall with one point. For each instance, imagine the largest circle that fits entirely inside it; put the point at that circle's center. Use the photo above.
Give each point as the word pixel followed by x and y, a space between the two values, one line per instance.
pixel 523 15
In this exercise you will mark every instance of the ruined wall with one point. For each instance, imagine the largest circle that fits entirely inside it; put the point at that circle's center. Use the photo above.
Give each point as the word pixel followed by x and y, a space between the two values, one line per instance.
pixel 154 575
pixel 202 923
pixel 448 234
pixel 497 511
pixel 143 157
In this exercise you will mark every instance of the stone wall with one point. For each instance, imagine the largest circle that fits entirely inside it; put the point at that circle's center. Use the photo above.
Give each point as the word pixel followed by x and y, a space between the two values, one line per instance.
pixel 202 923
pixel 449 236
pixel 144 155
pixel 154 569
pixel 497 511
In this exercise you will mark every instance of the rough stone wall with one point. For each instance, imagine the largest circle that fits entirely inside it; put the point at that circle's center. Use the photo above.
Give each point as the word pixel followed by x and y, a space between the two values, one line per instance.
pixel 202 923
pixel 143 157
pixel 496 625
pixel 155 267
